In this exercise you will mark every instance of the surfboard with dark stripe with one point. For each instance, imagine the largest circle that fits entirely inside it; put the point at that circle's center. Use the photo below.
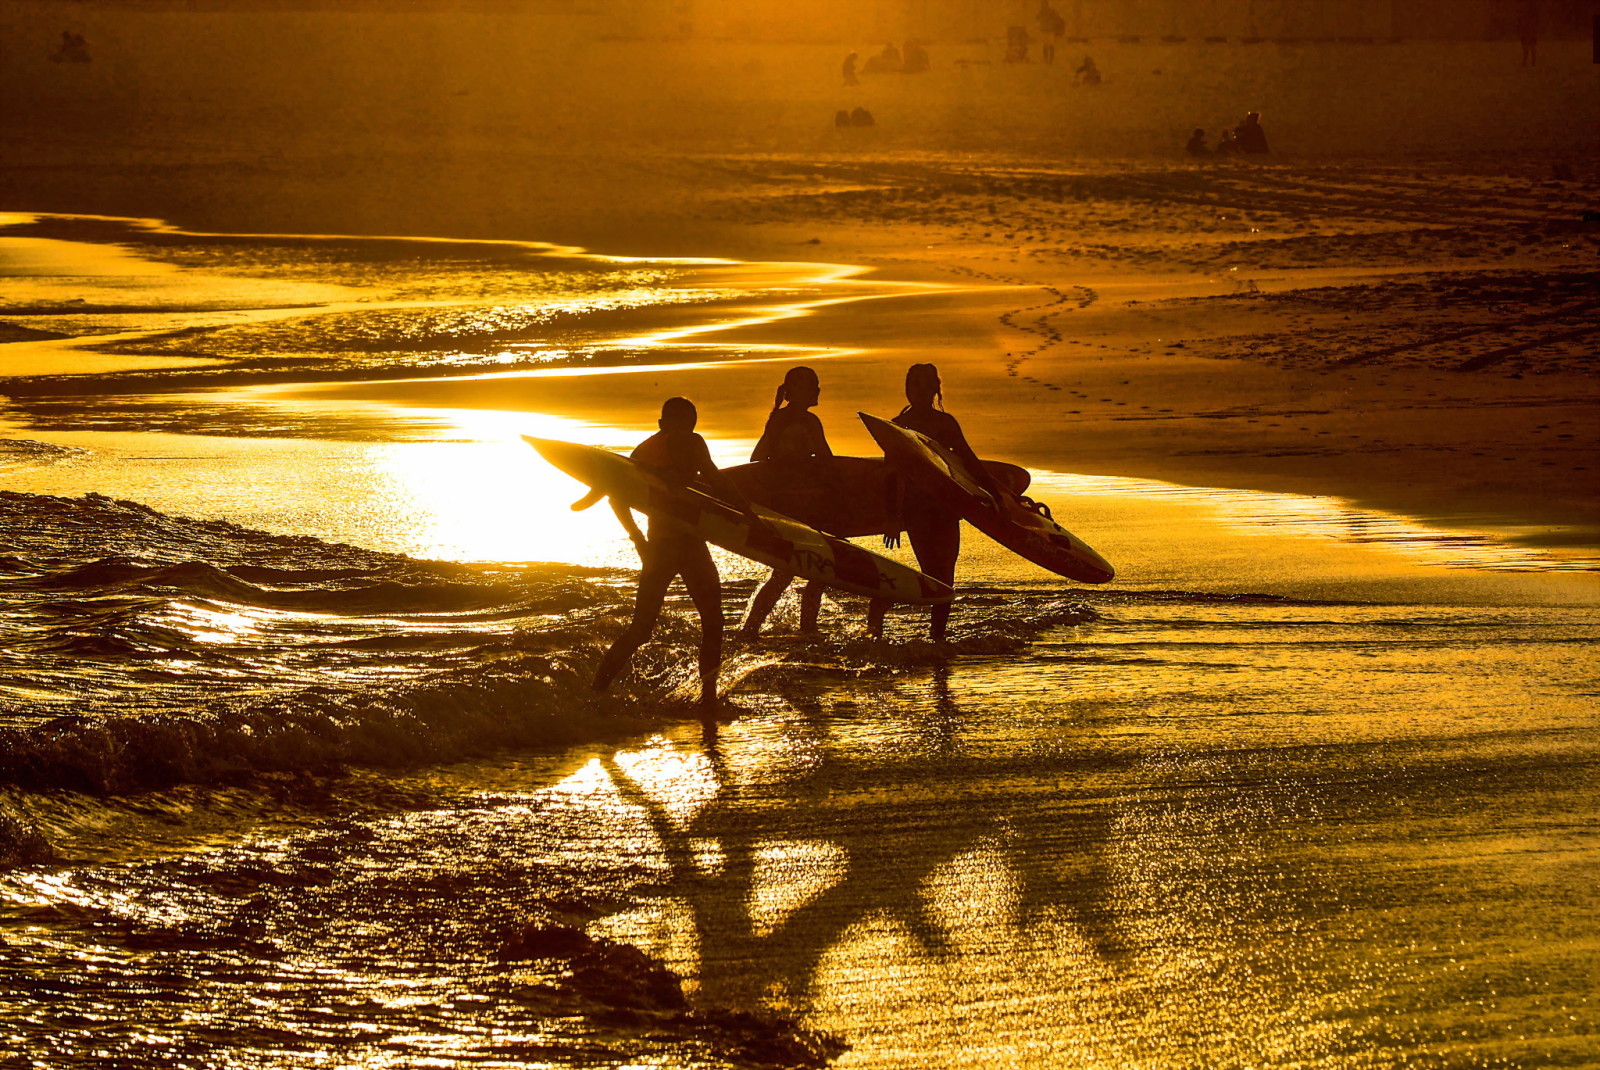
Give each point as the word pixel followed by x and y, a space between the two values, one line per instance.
pixel 1008 519
pixel 779 542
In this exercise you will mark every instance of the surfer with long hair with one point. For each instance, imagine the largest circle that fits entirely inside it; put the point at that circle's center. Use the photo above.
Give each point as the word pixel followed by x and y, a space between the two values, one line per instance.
pixel 679 456
pixel 934 530
pixel 796 455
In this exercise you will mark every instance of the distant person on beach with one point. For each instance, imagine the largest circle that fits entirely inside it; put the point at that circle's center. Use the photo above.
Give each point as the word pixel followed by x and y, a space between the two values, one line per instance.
pixel 1087 73
pixel 862 117
pixel 798 467
pixel 1228 145
pixel 934 530
pixel 916 58
pixel 1196 145
pixel 889 61
pixel 1017 41
pixel 679 456
pixel 1528 31
pixel 74 48
pixel 1051 27
pixel 1249 135
pixel 850 70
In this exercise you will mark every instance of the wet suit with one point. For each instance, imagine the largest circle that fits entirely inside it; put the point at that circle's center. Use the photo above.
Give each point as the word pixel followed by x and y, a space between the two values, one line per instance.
pixel 679 457
pixel 934 531
pixel 792 447
pixel 795 451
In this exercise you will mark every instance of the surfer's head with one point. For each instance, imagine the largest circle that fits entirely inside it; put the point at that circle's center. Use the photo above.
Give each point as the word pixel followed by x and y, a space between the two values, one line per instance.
pixel 923 386
pixel 678 414
pixel 800 388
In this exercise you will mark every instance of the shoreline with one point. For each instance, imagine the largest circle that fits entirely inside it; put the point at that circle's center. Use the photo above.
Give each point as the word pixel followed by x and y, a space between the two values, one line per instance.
pixel 1077 372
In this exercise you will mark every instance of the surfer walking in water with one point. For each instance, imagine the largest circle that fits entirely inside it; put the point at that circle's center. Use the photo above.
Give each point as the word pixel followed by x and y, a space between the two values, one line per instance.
pixel 678 455
pixel 797 459
pixel 934 530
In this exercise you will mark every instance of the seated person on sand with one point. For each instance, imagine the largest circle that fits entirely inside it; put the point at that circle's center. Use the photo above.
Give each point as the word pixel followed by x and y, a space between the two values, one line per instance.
pixel 1087 73
pixel 1017 41
pixel 1197 144
pixel 798 478
pixel 916 60
pixel 679 456
pixel 74 48
pixel 1249 135
pixel 934 530
pixel 889 61
pixel 1229 145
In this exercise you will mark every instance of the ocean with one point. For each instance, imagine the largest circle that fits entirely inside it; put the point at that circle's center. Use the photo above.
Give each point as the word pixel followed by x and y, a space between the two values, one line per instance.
pixel 300 766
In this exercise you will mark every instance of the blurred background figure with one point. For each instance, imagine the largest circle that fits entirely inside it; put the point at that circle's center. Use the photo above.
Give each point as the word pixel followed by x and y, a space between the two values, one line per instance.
pixel 916 57
pixel 1051 27
pixel 74 48
pixel 1087 73
pixel 1249 135
pixel 889 61
pixel 1196 145
pixel 850 70
pixel 1017 44
pixel 1528 30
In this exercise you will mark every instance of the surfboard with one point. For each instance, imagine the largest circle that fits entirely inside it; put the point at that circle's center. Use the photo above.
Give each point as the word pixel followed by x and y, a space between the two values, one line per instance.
pixel 777 541
pixel 849 497
pixel 1022 527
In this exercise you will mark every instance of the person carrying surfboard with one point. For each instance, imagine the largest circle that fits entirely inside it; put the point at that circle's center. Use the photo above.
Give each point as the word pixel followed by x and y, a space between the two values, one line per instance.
pixel 934 530
pixel 797 457
pixel 679 456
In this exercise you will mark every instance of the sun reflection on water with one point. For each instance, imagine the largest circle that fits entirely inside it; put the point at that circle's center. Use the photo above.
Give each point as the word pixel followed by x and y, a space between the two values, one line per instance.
pixel 491 498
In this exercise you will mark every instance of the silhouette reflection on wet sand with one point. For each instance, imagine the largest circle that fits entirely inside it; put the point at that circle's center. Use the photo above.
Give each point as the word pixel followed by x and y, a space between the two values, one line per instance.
pixel 860 815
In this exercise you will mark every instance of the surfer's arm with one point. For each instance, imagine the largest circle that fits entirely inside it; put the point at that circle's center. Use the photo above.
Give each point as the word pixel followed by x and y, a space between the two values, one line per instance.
pixel 722 487
pixel 625 516
pixel 894 500
pixel 819 438
pixel 763 450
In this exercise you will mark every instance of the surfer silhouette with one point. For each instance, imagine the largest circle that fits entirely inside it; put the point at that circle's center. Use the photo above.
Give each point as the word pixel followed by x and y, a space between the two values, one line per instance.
pixel 796 455
pixel 679 456
pixel 934 530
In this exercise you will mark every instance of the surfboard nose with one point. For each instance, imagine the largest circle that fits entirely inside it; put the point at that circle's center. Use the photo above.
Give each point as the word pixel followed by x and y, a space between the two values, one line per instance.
pixel 1100 575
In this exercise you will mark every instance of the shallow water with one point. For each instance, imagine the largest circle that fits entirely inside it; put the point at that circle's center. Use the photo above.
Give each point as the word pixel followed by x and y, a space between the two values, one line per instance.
pixel 314 777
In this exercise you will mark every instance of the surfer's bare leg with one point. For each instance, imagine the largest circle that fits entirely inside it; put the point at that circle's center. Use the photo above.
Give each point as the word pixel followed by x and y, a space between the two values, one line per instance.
pixel 937 545
pixel 876 610
pixel 810 605
pixel 705 589
pixel 654 579
pixel 761 603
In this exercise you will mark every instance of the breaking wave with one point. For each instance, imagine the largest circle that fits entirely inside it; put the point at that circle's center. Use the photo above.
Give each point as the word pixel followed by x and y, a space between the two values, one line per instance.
pixel 145 651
